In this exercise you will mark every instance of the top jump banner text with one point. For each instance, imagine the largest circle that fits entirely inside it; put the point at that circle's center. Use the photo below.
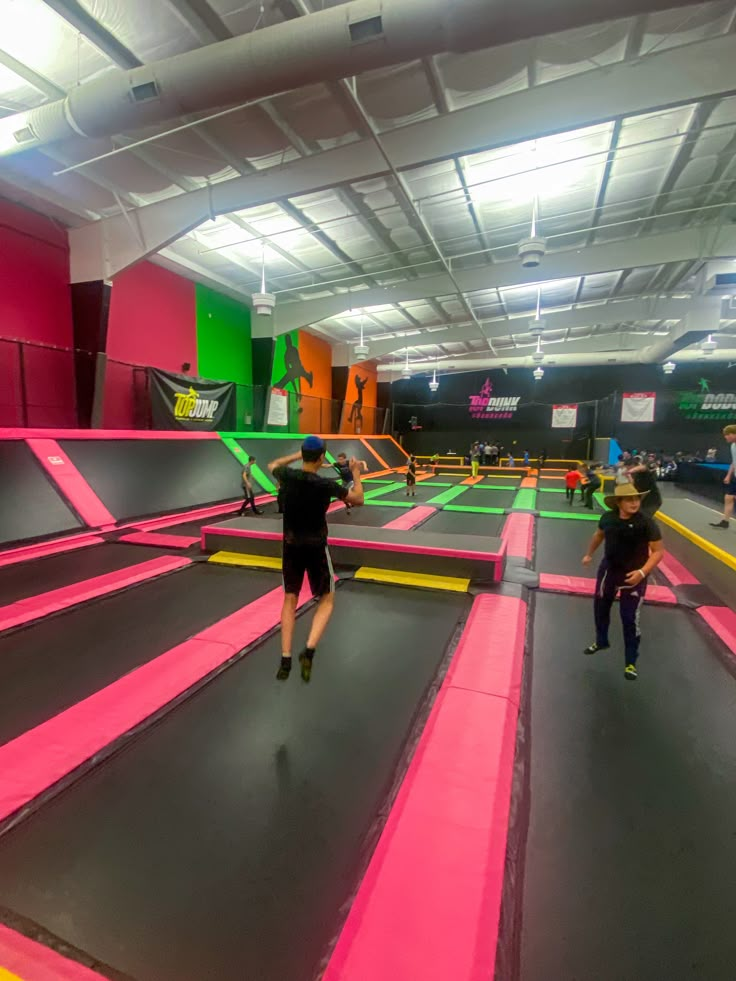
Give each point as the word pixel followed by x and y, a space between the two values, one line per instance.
pixel 194 404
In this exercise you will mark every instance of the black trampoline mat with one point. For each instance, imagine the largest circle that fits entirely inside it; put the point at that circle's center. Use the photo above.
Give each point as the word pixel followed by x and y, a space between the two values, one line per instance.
pixel 421 496
pixel 464 523
pixel 30 507
pixel 268 509
pixel 222 842
pixel 27 579
pixel 488 498
pixel 561 544
pixel 631 851
pixel 370 516
pixel 389 451
pixel 138 477
pixel 57 662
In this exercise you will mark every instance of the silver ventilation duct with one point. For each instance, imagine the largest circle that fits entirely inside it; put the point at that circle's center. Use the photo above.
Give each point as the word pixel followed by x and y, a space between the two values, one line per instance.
pixel 336 43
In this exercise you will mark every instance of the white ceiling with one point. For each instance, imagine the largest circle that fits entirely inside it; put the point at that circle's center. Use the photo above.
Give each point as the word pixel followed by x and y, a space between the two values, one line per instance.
pixel 630 176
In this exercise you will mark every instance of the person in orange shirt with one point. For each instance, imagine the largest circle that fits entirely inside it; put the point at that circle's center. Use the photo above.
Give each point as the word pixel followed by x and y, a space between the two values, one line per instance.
pixel 572 479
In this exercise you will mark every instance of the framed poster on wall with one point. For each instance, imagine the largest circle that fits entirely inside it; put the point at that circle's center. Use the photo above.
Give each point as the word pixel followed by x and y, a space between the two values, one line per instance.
pixel 638 406
pixel 564 416
pixel 278 408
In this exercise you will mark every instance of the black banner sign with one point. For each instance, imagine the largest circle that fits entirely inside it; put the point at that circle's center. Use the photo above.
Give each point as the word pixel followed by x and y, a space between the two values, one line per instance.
pixel 195 404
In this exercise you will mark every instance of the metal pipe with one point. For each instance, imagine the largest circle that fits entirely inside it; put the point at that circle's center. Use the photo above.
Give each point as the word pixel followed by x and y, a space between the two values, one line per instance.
pixel 334 43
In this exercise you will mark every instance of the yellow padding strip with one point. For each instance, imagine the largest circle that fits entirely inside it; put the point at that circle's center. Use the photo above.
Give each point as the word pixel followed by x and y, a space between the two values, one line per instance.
pixel 413 579
pixel 714 550
pixel 252 561
pixel 7 976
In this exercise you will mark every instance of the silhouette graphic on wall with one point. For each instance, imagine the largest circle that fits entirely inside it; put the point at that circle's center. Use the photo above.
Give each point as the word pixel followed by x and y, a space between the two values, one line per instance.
pixel 295 370
pixel 356 409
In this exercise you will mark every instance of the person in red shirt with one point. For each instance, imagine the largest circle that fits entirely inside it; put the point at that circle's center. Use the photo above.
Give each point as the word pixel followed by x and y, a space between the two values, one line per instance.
pixel 572 479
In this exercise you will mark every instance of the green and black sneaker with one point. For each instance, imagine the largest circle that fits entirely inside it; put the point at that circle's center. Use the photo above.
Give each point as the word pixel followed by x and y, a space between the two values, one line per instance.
pixel 305 660
pixel 284 669
pixel 595 647
pixel 630 672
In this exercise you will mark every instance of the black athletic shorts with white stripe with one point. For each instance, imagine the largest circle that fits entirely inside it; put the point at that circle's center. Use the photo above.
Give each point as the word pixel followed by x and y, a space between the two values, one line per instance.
pixel 315 561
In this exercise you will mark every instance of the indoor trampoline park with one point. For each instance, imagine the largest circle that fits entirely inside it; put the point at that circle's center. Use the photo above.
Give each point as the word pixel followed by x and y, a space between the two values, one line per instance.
pixel 368 458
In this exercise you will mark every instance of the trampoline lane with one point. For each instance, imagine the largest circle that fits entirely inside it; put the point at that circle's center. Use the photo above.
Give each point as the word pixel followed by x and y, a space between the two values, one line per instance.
pixel 631 852
pixel 224 841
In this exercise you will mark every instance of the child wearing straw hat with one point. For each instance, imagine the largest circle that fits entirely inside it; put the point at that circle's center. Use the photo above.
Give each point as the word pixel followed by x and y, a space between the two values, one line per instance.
pixel 633 547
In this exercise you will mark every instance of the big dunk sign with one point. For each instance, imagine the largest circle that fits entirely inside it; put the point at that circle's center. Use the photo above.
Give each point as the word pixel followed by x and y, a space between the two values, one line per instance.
pixel 486 405
pixel 705 404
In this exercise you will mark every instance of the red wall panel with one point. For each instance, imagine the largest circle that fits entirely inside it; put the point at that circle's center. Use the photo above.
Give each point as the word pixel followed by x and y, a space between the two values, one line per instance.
pixel 35 299
pixel 152 322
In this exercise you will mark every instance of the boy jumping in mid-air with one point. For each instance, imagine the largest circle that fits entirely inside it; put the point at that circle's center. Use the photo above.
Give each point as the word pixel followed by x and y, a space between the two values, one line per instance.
pixel 633 547
pixel 345 474
pixel 306 497
pixel 411 476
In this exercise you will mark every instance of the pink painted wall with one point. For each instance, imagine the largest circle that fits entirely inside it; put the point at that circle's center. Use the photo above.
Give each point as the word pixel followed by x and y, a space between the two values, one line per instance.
pixel 35 306
pixel 152 322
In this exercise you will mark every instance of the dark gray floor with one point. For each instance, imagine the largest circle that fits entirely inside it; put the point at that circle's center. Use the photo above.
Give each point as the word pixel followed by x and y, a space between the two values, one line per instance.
pixel 561 545
pixel 631 854
pixel 421 496
pixel 57 662
pixel 464 523
pixel 488 498
pixel 221 843
pixel 41 575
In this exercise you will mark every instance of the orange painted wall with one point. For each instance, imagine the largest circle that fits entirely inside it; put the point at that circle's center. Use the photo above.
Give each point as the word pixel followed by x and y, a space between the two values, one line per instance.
pixel 364 370
pixel 316 406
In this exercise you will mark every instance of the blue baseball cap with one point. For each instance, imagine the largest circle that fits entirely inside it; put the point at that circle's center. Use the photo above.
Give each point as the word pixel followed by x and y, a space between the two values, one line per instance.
pixel 313 443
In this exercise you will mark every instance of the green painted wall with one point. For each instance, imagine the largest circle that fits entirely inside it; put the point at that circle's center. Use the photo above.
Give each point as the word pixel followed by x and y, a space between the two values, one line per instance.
pixel 224 350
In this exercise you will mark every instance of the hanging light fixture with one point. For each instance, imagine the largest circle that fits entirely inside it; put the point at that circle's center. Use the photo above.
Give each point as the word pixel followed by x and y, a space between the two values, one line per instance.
pixel 669 367
pixel 536 326
pixel 406 373
pixel 538 373
pixel 361 350
pixel 533 249
pixel 434 384
pixel 263 302
pixel 709 346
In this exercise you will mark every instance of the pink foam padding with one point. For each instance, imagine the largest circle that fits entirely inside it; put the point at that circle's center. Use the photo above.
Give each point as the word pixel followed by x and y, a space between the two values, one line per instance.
pixel 335 506
pixel 518 532
pixel 580 586
pixel 159 538
pixel 33 962
pixel 39 758
pixel 15 433
pixel 722 620
pixel 577 585
pixel 481 663
pixel 26 552
pixel 71 483
pixel 676 572
pixel 410 519
pixel 353 543
pixel 44 604
pixel 429 905
pixel 167 520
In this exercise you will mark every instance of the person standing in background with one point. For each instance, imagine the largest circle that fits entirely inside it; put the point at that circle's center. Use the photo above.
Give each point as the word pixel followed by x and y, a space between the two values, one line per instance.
pixel 494 454
pixel 526 458
pixel 729 434
pixel 248 495
pixel 572 479
pixel 475 459
pixel 643 476
pixel 542 459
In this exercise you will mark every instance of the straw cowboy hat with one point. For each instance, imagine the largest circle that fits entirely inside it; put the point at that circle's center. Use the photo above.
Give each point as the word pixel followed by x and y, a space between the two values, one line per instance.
pixel 622 490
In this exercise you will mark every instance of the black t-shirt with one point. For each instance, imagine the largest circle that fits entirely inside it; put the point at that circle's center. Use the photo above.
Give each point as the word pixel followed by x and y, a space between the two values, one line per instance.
pixel 306 497
pixel 627 540
pixel 344 471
